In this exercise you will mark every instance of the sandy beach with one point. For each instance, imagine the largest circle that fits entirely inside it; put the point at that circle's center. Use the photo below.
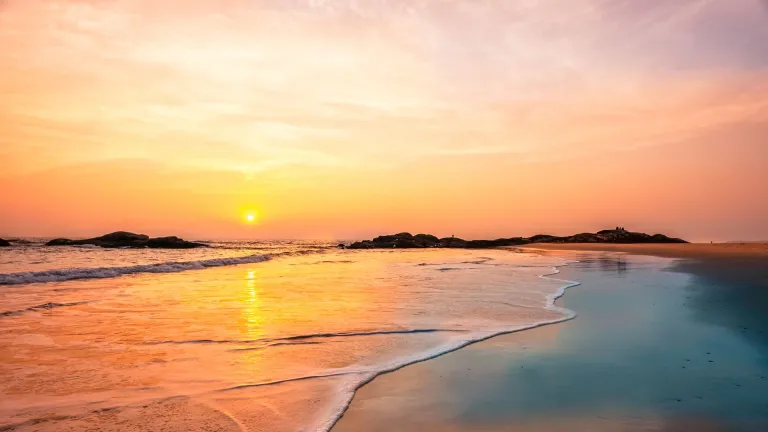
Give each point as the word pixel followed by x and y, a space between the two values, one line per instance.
pixel 667 338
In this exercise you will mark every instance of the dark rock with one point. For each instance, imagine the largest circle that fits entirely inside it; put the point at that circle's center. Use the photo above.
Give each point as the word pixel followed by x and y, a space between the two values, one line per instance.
pixel 367 244
pixel 426 240
pixel 620 236
pixel 4 243
pixel 122 239
pixel 406 240
pixel 405 243
pixel 543 238
pixel 661 238
pixel 122 236
pixel 479 244
pixel 172 242
pixel 389 240
pixel 514 241
pixel 453 242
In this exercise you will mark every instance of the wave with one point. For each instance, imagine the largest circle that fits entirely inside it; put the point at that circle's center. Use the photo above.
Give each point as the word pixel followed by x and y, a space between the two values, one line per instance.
pixel 111 272
pixel 46 306
pixel 271 341
pixel 368 376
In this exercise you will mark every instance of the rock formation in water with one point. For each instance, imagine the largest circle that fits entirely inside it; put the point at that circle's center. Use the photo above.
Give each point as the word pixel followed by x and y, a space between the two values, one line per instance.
pixel 408 241
pixel 4 243
pixel 122 239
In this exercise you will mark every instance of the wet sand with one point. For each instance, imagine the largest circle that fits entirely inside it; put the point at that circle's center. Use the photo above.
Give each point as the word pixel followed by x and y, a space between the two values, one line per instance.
pixel 660 344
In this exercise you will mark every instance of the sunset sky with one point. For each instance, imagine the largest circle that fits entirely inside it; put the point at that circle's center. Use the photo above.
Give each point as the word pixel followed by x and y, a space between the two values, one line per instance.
pixel 351 118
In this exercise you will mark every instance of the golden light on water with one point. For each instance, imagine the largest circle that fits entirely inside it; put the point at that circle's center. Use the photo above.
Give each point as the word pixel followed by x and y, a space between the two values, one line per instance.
pixel 252 316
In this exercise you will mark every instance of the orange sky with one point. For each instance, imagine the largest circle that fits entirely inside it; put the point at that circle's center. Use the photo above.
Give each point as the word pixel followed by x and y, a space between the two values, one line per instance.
pixel 350 118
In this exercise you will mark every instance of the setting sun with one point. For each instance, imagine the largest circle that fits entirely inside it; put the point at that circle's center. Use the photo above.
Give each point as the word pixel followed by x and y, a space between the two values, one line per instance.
pixel 250 218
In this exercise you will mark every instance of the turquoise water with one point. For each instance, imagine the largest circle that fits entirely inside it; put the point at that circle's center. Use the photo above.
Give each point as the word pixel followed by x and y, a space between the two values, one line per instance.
pixel 658 344
pixel 639 347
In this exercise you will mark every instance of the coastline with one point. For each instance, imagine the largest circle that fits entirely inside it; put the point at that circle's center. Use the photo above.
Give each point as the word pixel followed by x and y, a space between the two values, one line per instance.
pixel 685 250
pixel 733 281
pixel 552 304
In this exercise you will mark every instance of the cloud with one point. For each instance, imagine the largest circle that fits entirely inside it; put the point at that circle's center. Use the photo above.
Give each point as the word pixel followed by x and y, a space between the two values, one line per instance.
pixel 267 85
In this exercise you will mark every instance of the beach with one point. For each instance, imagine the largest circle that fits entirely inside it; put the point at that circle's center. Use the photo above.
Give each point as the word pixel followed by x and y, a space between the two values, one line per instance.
pixel 667 338
pixel 255 336
pixel 296 336
pixel 701 251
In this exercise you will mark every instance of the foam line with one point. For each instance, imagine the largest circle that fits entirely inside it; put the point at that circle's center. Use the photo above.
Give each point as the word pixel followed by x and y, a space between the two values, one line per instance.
pixel 46 306
pixel 111 272
pixel 480 336
pixel 302 337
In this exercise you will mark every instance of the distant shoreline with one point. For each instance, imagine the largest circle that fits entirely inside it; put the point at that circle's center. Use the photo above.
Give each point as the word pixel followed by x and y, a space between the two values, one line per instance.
pixel 685 250
pixel 406 240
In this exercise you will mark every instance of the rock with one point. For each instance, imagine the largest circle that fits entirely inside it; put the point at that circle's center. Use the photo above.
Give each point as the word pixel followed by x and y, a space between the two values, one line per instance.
pixel 367 244
pixel 172 242
pixel 479 244
pixel 453 242
pixel 122 236
pixel 661 238
pixel 407 241
pixel 4 243
pixel 542 238
pixel 387 241
pixel 619 236
pixel 426 240
pixel 514 241
pixel 121 239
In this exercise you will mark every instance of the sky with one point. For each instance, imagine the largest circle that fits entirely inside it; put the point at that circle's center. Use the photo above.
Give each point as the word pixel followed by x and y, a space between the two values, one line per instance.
pixel 344 119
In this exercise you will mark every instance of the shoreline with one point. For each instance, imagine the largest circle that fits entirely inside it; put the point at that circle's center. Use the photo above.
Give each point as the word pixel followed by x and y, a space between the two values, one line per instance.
pixel 552 304
pixel 686 250
pixel 727 264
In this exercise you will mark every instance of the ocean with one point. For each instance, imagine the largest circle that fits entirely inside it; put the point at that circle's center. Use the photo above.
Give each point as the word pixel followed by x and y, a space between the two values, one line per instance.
pixel 258 336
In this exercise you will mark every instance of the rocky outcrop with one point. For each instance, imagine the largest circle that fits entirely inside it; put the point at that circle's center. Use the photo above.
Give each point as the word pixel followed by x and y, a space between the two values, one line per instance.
pixel 620 236
pixel 408 241
pixel 4 243
pixel 122 239
pixel 172 242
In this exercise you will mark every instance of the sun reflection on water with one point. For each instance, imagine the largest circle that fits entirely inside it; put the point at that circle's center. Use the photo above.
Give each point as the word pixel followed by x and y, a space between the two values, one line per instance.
pixel 252 317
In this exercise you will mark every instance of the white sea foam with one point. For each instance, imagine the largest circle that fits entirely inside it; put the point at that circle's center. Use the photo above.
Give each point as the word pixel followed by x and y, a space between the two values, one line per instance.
pixel 366 376
pixel 110 272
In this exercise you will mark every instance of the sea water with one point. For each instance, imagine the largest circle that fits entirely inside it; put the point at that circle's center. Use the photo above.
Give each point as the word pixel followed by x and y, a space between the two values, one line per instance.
pixel 660 345
pixel 242 336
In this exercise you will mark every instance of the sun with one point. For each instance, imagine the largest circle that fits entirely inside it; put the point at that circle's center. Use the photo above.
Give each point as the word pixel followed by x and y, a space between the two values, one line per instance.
pixel 250 217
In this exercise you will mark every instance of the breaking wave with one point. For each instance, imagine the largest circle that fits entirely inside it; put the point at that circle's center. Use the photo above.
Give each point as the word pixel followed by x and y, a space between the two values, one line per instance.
pixel 111 272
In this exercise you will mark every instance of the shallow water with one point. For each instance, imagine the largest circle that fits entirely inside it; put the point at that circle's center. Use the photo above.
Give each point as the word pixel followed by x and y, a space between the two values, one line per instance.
pixel 279 345
pixel 658 345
